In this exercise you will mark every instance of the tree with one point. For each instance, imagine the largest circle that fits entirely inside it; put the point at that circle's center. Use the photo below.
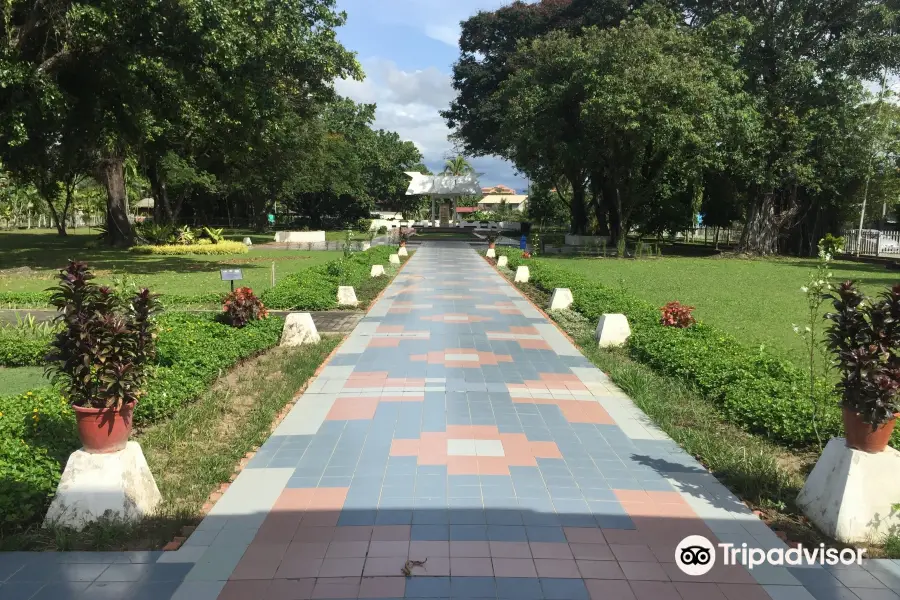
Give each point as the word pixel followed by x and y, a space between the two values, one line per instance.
pixel 804 61
pixel 635 113
pixel 458 165
pixel 127 71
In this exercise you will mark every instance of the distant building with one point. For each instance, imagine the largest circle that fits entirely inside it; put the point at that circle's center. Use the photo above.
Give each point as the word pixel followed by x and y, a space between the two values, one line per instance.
pixel 493 201
pixel 498 189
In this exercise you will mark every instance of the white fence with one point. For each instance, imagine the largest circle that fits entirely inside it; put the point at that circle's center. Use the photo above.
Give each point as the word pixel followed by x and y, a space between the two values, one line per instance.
pixel 871 242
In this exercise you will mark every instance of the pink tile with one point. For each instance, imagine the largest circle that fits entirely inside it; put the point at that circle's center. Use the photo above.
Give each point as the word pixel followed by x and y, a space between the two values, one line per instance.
pixel 435 566
pixel 654 590
pixel 382 587
pixel 388 566
pixel 510 550
pixel 560 568
pixel 470 549
pixel 342 567
pixel 290 589
pixel 313 534
pixel 633 552
pixel 700 591
pixel 420 550
pixel 743 591
pixel 306 550
pixel 609 589
pixel 352 534
pixel 584 535
pixel 600 569
pixel 337 587
pixel 298 568
pixel 625 536
pixel 514 567
pixel 643 571
pixel 380 549
pixel 241 590
pixel 470 567
pixel 592 551
pixel 347 550
pixel 551 550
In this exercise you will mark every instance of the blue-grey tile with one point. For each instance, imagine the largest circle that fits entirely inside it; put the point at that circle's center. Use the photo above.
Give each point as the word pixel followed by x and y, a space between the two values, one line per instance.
pixel 430 533
pixel 507 533
pixel 463 516
pixel 24 590
pixel 428 587
pixel 519 588
pixel 563 589
pixel 473 587
pixel 545 534
pixel 468 533
pixel 357 517
pixel 59 572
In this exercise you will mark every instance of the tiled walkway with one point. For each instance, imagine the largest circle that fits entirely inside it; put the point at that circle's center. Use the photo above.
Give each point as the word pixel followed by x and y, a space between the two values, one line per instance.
pixel 459 438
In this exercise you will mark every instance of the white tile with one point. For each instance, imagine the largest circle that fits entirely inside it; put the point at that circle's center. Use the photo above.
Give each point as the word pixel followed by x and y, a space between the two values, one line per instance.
pixel 489 448
pixel 461 448
pixel 461 357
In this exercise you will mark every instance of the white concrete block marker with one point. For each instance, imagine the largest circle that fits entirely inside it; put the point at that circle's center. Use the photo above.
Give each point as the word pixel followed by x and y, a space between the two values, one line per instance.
pixel 522 274
pixel 377 271
pixel 299 330
pixel 117 486
pixel 347 296
pixel 491 253
pixel 612 330
pixel 402 251
pixel 395 259
pixel 850 494
pixel 502 261
pixel 561 298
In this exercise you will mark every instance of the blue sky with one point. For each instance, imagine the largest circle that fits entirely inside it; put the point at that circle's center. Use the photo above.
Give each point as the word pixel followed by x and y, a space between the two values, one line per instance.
pixel 407 48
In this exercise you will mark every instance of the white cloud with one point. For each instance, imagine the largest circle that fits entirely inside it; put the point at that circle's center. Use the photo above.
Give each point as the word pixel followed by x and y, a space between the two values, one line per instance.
pixel 448 34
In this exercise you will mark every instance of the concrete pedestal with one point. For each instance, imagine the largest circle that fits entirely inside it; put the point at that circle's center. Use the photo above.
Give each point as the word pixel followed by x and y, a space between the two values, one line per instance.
pixel 377 271
pixel 502 261
pixel 347 296
pixel 491 253
pixel 248 242
pixel 299 330
pixel 394 259
pixel 612 330
pixel 522 274
pixel 117 486
pixel 561 298
pixel 849 493
pixel 402 251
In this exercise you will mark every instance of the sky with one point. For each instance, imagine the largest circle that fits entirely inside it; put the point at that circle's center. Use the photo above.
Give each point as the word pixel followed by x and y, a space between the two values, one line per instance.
pixel 407 49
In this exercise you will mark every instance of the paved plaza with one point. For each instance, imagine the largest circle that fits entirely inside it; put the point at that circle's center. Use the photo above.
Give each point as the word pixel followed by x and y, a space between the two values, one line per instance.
pixel 457 445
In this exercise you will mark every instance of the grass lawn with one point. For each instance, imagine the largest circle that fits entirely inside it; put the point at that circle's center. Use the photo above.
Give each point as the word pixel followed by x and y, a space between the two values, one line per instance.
pixel 195 451
pixel 186 275
pixel 17 380
pixel 756 300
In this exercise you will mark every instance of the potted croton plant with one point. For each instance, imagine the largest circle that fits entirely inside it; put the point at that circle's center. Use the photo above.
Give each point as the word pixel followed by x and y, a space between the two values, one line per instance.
pixel 100 355
pixel 864 337
pixel 492 237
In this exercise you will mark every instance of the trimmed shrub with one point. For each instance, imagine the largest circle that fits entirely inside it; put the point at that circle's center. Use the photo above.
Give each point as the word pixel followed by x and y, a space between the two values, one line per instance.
pixel 755 390
pixel 220 249
pixel 21 351
pixel 315 288
pixel 23 299
pixel 364 225
pixel 37 428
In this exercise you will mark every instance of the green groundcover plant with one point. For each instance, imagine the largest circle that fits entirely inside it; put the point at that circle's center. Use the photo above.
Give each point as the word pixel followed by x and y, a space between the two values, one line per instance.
pixel 37 428
pixel 753 389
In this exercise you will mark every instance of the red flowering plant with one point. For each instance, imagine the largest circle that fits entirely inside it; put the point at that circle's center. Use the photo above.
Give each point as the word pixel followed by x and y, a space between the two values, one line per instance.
pixel 676 314
pixel 242 306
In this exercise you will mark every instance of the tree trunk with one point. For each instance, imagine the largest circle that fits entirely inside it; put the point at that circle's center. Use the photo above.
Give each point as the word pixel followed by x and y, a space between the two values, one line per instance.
pixel 578 208
pixel 764 223
pixel 162 208
pixel 118 228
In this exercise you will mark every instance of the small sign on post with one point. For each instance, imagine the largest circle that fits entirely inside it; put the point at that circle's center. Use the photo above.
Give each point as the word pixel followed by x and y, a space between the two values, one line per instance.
pixel 232 275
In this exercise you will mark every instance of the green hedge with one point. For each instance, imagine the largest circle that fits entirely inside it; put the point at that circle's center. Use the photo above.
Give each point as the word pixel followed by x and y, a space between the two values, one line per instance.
pixel 18 350
pixel 37 429
pixel 754 389
pixel 223 248
pixel 20 299
pixel 316 288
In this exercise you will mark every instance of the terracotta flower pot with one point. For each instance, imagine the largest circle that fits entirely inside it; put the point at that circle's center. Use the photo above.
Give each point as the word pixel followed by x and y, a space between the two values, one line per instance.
pixel 860 436
pixel 491 244
pixel 103 430
pixel 402 243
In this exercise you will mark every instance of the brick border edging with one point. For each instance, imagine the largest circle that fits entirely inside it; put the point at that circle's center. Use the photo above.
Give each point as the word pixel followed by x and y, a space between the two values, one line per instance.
pixel 217 494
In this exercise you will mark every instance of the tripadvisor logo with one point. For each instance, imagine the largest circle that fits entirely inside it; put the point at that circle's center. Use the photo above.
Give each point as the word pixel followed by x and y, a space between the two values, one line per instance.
pixel 695 555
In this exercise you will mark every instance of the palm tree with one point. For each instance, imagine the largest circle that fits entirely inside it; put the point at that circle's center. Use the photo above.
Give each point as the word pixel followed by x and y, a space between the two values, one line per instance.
pixel 458 166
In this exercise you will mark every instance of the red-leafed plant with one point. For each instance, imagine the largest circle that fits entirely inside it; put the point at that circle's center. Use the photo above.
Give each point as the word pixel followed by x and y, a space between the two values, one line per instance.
pixel 676 314
pixel 101 354
pixel 242 306
pixel 526 254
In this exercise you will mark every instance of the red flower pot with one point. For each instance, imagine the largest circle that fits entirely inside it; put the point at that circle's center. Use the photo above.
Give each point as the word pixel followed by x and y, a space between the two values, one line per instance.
pixel 103 430
pixel 402 243
pixel 860 436
pixel 491 244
